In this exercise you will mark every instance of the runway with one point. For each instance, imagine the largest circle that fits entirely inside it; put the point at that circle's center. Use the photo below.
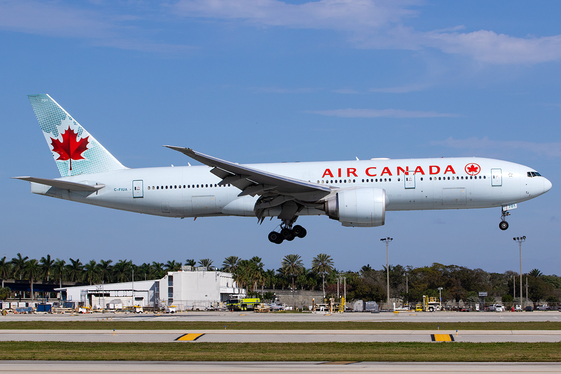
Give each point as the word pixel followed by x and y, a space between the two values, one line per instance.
pixel 87 367
pixel 279 336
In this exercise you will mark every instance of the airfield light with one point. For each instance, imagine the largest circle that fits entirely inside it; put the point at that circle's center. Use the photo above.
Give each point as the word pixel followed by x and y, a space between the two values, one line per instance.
pixel 520 239
pixel 387 241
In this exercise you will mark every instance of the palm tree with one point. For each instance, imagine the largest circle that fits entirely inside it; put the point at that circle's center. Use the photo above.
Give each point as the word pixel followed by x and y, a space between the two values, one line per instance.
pixel 158 269
pixel 91 272
pixel 32 269
pixel 5 269
pixel 230 264
pixel 205 262
pixel 536 273
pixel 46 266
pixel 172 266
pixel 322 264
pixel 104 270
pixel 190 262
pixel 145 269
pixel 58 270
pixel 122 271
pixel 258 276
pixel 74 270
pixel 19 265
pixel 292 265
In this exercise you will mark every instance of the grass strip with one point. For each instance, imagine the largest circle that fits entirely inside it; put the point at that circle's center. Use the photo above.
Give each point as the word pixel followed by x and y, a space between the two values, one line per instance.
pixel 327 325
pixel 408 352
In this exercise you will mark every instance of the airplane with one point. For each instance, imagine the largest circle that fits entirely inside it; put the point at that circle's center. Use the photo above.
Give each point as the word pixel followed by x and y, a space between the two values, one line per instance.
pixel 357 193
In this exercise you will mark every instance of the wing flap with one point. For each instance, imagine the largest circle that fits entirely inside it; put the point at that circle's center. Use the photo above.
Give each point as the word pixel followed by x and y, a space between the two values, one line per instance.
pixel 65 185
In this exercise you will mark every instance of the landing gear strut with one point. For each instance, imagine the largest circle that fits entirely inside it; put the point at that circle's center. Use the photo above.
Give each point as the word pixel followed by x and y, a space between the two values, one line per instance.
pixel 287 233
pixel 503 225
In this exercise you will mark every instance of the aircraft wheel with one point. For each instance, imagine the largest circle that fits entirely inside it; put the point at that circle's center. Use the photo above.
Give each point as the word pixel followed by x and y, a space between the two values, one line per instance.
pixel 287 234
pixel 503 225
pixel 275 237
pixel 299 231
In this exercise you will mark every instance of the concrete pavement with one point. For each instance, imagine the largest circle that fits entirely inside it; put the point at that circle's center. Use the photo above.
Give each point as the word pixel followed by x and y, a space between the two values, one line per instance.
pixel 278 336
pixel 87 367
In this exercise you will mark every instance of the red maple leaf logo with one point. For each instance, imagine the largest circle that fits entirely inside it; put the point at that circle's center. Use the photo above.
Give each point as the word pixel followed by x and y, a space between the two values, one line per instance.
pixel 472 169
pixel 70 148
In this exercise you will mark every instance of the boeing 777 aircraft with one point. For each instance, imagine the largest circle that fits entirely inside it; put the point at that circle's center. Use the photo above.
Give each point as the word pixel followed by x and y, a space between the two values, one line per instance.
pixel 356 193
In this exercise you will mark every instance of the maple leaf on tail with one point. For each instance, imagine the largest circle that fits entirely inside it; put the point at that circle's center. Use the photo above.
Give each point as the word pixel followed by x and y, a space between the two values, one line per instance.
pixel 70 148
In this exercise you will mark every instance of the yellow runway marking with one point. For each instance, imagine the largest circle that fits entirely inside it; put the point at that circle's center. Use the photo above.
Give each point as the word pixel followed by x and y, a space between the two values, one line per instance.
pixel 442 337
pixel 188 337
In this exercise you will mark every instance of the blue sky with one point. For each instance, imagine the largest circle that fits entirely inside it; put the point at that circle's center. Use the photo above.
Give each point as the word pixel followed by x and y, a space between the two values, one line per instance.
pixel 274 81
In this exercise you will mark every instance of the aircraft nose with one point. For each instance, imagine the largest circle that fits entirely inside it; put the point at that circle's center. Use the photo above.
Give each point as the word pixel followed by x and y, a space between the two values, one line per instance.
pixel 546 185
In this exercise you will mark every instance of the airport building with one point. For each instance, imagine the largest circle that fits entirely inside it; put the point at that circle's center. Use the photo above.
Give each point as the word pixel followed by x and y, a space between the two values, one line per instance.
pixel 189 289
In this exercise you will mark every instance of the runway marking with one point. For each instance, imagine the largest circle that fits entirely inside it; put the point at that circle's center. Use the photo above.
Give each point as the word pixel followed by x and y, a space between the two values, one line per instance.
pixel 338 363
pixel 442 337
pixel 188 337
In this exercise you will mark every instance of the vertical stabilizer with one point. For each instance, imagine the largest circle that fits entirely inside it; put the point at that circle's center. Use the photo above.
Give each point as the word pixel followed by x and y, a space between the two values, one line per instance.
pixel 75 151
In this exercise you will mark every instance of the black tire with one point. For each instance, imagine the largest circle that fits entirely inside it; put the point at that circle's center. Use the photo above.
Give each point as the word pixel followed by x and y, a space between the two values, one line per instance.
pixel 503 225
pixel 275 237
pixel 299 231
pixel 287 234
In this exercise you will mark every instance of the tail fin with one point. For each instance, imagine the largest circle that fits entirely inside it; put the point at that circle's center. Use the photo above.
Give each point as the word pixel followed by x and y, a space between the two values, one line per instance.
pixel 75 151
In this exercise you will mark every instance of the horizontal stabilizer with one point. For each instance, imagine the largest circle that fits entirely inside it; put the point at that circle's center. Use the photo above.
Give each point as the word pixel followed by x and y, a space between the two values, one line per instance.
pixel 63 184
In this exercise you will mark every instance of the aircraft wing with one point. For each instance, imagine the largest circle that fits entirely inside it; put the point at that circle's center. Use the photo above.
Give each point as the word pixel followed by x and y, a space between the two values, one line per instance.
pixel 257 182
pixel 65 185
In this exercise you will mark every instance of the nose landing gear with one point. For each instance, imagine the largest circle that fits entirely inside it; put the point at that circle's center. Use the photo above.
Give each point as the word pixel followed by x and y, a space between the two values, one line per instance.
pixel 287 233
pixel 503 225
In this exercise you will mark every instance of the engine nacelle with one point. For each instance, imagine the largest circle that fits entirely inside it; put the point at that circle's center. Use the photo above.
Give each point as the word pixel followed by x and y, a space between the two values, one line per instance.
pixel 358 207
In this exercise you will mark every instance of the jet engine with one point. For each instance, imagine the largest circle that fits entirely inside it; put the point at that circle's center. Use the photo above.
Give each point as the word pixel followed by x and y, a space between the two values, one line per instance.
pixel 358 207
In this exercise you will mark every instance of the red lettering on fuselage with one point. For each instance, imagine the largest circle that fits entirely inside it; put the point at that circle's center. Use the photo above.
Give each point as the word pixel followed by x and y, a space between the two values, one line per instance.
pixel 406 171
pixel 450 169
pixel 327 172
pixel 386 171
pixel 371 171
pixel 368 171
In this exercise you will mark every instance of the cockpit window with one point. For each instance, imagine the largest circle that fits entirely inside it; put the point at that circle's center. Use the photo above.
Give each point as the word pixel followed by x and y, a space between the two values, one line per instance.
pixel 532 174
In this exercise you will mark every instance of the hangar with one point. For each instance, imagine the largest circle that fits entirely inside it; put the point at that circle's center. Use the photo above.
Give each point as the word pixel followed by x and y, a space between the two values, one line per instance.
pixel 191 288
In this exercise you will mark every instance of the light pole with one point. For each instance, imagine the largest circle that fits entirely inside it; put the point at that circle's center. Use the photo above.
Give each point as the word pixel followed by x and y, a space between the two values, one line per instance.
pixel 520 239
pixel 440 296
pixel 387 241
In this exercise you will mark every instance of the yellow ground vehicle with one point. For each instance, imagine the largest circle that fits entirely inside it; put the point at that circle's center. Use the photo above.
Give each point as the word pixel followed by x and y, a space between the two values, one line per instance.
pixel 236 302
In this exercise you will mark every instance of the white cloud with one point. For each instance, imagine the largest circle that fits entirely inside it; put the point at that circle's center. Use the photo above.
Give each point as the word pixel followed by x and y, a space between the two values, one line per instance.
pixel 323 14
pixel 282 90
pixel 400 89
pixel 49 18
pixel 100 27
pixel 543 149
pixel 490 47
pixel 377 24
pixel 377 113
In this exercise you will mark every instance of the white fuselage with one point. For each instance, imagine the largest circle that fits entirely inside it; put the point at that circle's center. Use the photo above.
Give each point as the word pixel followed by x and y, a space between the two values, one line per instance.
pixel 410 184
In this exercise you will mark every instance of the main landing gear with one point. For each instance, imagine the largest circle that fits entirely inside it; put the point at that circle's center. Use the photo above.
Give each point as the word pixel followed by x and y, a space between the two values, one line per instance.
pixel 503 225
pixel 287 233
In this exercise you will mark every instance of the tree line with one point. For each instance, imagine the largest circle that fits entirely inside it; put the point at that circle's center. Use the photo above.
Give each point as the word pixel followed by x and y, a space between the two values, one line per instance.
pixel 408 283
